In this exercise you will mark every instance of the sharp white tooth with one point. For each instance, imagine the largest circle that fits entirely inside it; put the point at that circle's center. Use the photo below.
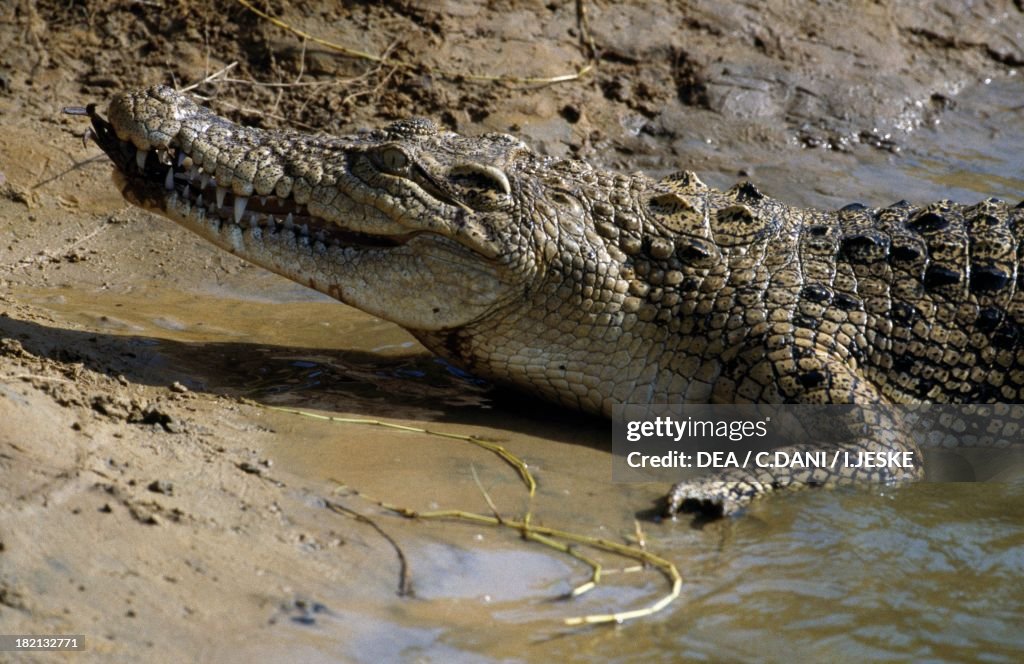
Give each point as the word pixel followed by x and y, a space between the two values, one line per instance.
pixel 221 192
pixel 169 180
pixel 187 193
pixel 140 159
pixel 199 201
pixel 254 220
pixel 204 180
pixel 288 222
pixel 263 200
pixel 240 203
pixel 305 229
pixel 181 158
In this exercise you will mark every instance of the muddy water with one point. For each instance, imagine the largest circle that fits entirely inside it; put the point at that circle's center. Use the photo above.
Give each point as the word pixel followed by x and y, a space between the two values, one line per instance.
pixel 931 571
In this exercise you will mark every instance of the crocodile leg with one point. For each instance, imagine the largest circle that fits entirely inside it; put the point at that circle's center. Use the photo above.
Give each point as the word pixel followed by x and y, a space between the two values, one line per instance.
pixel 731 490
pixel 874 426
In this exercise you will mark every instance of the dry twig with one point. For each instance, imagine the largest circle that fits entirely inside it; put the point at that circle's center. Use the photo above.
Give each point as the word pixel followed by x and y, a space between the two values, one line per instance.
pixel 491 446
pixel 545 535
pixel 405 573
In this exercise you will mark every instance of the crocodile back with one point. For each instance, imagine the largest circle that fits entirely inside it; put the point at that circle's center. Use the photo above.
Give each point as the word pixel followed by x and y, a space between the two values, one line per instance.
pixel 928 300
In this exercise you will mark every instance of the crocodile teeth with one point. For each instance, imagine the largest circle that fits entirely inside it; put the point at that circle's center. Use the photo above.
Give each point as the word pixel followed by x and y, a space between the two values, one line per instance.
pixel 181 158
pixel 204 180
pixel 305 229
pixel 288 222
pixel 240 203
pixel 221 192
pixel 263 200
pixel 199 201
pixel 187 193
pixel 169 180
pixel 254 220
pixel 140 159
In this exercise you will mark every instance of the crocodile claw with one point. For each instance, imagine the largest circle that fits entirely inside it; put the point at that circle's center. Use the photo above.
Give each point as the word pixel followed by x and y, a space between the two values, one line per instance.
pixel 712 497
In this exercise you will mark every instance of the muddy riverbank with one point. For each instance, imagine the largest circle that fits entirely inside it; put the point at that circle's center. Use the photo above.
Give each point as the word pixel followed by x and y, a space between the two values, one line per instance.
pixel 153 503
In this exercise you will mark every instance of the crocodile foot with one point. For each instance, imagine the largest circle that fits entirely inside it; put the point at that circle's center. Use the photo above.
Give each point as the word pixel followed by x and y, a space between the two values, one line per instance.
pixel 713 497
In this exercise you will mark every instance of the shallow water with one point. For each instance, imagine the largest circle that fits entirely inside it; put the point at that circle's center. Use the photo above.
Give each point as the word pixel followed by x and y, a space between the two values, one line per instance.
pixel 926 572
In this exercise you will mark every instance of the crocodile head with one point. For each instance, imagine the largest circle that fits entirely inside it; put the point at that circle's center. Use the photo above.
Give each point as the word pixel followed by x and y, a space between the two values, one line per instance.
pixel 525 269
pixel 408 223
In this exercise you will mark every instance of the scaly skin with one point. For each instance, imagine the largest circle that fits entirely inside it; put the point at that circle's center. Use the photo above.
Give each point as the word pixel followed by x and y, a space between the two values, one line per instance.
pixel 592 288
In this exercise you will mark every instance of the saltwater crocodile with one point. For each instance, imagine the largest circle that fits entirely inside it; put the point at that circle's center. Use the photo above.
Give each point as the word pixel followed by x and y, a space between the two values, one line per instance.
pixel 592 288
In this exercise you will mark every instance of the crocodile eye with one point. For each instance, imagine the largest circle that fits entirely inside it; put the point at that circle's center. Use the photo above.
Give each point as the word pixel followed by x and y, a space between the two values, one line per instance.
pixel 480 186
pixel 392 159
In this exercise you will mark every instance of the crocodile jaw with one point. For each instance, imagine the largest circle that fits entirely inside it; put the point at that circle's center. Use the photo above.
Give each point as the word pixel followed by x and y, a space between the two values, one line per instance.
pixel 363 250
